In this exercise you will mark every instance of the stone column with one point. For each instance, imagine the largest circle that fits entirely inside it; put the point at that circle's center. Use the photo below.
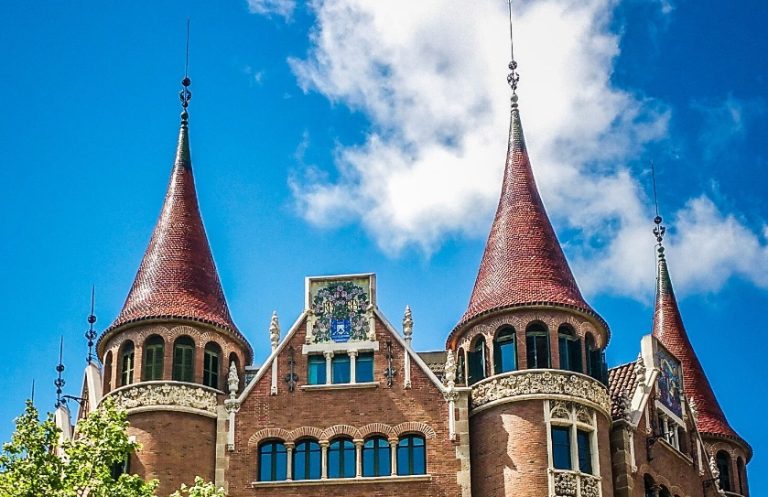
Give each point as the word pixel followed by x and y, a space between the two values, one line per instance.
pixel 324 459
pixel 393 454
pixel 289 461
pixel 358 457
pixel 328 370
pixel 352 366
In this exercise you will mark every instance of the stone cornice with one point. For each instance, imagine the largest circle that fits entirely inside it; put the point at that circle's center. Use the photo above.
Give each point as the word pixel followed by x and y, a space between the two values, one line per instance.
pixel 167 396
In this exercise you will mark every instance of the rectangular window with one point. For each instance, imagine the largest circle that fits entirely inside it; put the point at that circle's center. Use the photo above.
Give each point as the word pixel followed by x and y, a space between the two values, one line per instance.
pixel 364 367
pixel 153 362
pixel 340 368
pixel 211 370
pixel 537 346
pixel 583 439
pixel 561 447
pixel 316 373
pixel 183 363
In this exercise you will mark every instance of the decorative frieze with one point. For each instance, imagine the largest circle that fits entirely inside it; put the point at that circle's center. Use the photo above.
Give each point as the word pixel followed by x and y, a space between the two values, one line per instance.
pixel 521 385
pixel 574 484
pixel 166 395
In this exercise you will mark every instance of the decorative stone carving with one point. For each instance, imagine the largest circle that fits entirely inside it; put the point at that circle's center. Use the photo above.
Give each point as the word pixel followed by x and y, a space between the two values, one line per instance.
pixel 583 416
pixel 150 395
pixel 565 484
pixel 541 383
pixel 590 486
pixel 640 369
pixel 713 468
pixel 232 404
pixel 450 370
pixel 408 325
pixel 560 410
pixel 274 331
pixel 624 406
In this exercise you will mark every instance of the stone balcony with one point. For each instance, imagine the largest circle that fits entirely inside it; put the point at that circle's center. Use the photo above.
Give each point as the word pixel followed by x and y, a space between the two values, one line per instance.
pixel 565 483
pixel 542 384
pixel 167 396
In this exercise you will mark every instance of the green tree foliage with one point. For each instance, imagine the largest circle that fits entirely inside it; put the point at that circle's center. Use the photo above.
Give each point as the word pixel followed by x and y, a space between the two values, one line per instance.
pixel 35 463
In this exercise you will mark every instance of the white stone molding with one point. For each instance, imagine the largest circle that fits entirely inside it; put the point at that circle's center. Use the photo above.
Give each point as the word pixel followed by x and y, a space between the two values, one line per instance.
pixel 326 435
pixel 168 396
pixel 540 383
pixel 574 484
pixel 274 331
pixel 408 325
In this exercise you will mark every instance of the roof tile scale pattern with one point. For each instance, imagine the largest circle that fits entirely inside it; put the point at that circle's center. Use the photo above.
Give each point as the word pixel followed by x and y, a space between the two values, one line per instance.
pixel 523 262
pixel 669 329
pixel 177 277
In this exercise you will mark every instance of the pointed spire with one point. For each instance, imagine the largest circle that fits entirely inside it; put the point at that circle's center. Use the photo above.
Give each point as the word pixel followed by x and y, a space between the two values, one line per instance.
pixel 668 328
pixel 523 262
pixel 177 278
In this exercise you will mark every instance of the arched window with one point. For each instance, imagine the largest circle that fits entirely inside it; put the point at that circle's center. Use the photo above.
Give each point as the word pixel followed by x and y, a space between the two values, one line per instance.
pixel 153 358
pixel 211 366
pixel 741 475
pixel 504 351
pixel 184 359
pixel 461 368
pixel 108 372
pixel 664 492
pixel 569 346
pixel 594 357
pixel 411 455
pixel 126 363
pixel 476 359
pixel 273 461
pixel 307 458
pixel 537 346
pixel 650 487
pixel 724 466
pixel 377 458
pixel 341 458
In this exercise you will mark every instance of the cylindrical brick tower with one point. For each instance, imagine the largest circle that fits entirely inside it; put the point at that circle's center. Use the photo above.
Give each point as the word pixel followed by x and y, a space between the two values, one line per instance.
pixel 531 349
pixel 727 452
pixel 167 353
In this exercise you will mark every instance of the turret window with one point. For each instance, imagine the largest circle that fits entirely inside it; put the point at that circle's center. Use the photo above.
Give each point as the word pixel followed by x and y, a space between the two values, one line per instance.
pixel 570 349
pixel 411 456
pixel 504 351
pixel 126 363
pixel 561 447
pixel 572 437
pixel 583 440
pixel 724 467
pixel 273 461
pixel 377 458
pixel 211 365
pixel 307 457
pixel 537 346
pixel 153 358
pixel 341 458
pixel 184 359
pixel 477 360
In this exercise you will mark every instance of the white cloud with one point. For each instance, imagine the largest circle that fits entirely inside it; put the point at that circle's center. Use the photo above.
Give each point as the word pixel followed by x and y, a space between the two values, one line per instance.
pixel 725 123
pixel 430 75
pixel 283 8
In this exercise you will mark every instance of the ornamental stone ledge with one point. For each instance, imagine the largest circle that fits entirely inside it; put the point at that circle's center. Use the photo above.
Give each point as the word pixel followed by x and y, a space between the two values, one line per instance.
pixel 167 396
pixel 517 386
pixel 565 483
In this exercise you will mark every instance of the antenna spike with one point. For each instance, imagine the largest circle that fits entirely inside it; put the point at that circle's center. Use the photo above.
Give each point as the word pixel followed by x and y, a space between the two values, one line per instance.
pixel 185 95
pixel 32 399
pixel 59 383
pixel 90 334
pixel 513 77
pixel 659 230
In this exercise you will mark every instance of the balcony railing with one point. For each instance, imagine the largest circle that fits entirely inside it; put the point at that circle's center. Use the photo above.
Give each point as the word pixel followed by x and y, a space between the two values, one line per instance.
pixel 167 396
pixel 541 383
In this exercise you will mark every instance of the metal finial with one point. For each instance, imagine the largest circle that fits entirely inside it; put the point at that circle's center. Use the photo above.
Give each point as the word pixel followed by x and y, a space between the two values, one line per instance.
pixel 59 383
pixel 185 95
pixel 659 229
pixel 32 399
pixel 513 77
pixel 90 335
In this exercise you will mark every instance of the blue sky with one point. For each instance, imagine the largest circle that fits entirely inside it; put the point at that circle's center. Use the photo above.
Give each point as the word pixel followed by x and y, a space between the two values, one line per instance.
pixel 369 136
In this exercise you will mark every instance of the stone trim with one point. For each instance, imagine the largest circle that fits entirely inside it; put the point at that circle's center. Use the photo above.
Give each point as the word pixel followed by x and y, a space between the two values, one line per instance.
pixel 528 384
pixel 343 481
pixel 167 396
pixel 327 434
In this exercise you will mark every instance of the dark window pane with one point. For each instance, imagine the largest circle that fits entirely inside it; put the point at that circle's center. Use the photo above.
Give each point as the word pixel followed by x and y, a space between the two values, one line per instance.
pixel 476 360
pixel 561 448
pixel 211 369
pixel 153 359
pixel 585 451
pixel 537 346
pixel 273 462
pixel 306 460
pixel 411 456
pixel 723 465
pixel 340 368
pixel 364 367
pixel 183 360
pixel 316 370
pixel 376 457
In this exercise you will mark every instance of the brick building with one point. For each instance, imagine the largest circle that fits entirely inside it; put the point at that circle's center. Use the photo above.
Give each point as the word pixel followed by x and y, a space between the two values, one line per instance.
pixel 519 403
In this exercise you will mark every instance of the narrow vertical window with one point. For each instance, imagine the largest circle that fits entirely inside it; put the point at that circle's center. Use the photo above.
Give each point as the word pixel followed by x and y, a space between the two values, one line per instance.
pixel 741 474
pixel 561 447
pixel 724 466
pixel 307 460
pixel 377 459
pixel 411 456
pixel 184 359
pixel 153 358
pixel 273 461
pixel 477 359
pixel 341 458
pixel 108 372
pixel 461 367
pixel 211 365
pixel 583 440
pixel 537 346
pixel 316 373
pixel 569 346
pixel 504 351
pixel 340 368
pixel 594 358
pixel 364 367
pixel 126 363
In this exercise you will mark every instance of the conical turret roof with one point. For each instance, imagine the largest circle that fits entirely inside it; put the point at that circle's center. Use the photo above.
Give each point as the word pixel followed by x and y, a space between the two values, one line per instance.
pixel 523 263
pixel 177 278
pixel 668 328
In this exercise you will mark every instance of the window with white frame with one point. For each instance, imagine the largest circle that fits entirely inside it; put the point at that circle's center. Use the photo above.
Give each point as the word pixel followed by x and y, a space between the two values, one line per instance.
pixel 340 367
pixel 572 437
pixel 669 428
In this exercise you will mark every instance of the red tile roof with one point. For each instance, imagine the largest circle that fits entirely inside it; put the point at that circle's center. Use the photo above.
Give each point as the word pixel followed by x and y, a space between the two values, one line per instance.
pixel 177 278
pixel 523 262
pixel 621 380
pixel 668 328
